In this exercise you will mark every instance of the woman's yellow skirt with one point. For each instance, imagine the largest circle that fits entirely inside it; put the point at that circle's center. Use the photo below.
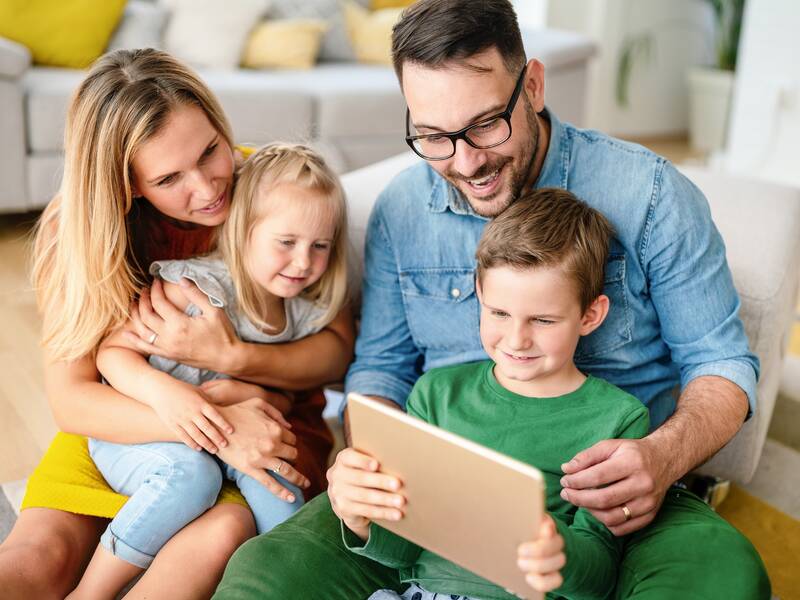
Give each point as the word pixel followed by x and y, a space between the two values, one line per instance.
pixel 67 479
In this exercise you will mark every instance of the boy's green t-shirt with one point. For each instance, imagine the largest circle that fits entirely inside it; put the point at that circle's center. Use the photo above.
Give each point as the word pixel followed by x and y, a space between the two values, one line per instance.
pixel 544 432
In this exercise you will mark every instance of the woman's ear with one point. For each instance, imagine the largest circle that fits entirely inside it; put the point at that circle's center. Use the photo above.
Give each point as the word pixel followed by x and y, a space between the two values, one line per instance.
pixel 594 315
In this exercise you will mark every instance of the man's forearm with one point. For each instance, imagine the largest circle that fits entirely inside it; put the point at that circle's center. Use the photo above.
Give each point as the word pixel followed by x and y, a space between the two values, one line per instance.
pixel 710 411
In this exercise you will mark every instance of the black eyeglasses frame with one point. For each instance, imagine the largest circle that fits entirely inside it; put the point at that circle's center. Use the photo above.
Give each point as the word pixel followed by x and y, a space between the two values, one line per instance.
pixel 461 134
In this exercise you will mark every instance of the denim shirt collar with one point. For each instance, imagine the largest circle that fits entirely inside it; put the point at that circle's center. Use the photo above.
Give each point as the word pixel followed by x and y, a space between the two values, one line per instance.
pixel 553 174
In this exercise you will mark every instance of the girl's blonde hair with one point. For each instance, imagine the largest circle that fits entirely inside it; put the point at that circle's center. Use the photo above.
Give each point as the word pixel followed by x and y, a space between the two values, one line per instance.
pixel 82 267
pixel 266 169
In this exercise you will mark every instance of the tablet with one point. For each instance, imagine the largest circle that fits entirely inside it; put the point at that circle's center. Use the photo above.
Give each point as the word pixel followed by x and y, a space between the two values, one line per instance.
pixel 465 502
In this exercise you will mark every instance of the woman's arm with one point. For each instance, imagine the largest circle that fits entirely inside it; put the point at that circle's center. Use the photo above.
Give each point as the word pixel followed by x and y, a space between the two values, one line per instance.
pixel 84 406
pixel 182 406
pixel 208 341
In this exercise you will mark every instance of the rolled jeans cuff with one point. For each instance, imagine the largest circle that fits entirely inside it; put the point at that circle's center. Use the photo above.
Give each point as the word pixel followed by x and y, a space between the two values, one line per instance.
pixel 120 549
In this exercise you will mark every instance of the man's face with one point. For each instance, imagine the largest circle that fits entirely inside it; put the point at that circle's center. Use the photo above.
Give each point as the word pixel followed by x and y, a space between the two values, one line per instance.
pixel 455 96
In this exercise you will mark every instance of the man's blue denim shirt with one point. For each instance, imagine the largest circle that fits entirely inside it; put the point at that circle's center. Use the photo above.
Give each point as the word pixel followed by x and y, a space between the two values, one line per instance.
pixel 674 310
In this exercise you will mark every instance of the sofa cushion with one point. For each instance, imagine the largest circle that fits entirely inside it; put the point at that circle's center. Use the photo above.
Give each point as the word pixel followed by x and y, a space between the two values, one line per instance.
pixel 335 45
pixel 57 32
pixel 284 44
pixel 209 33
pixel 142 26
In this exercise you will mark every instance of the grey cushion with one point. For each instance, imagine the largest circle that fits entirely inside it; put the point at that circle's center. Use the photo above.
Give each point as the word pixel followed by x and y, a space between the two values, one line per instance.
pixel 142 26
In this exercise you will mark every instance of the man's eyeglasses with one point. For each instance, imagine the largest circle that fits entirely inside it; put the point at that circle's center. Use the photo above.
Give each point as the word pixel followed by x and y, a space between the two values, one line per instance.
pixel 487 133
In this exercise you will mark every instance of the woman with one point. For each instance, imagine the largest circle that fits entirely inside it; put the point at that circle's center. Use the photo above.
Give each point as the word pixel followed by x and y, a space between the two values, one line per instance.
pixel 140 186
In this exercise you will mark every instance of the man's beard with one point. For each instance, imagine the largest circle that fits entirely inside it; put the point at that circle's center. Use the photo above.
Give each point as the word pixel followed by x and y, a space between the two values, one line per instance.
pixel 517 177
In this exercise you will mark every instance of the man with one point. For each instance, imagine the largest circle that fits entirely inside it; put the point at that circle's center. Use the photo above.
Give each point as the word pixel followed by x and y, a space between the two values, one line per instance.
pixel 478 117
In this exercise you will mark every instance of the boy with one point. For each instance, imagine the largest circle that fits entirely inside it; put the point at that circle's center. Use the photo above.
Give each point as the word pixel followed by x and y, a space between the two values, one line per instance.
pixel 540 278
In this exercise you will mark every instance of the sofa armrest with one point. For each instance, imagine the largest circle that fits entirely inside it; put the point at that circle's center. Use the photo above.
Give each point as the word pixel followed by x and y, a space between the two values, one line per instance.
pixel 760 225
pixel 14 59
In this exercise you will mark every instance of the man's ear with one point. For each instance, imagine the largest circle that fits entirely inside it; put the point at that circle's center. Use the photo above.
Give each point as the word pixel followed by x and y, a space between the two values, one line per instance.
pixel 534 84
pixel 594 315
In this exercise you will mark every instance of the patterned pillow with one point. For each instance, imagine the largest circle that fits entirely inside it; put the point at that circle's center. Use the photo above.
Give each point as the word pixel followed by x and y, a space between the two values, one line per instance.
pixel 335 44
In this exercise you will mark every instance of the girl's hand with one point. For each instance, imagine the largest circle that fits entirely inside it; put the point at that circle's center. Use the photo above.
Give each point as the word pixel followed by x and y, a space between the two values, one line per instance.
pixel 360 493
pixel 197 422
pixel 261 444
pixel 543 559
pixel 204 341
pixel 224 392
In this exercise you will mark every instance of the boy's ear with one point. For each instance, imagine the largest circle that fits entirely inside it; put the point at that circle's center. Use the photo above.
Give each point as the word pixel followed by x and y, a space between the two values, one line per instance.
pixel 594 315
pixel 478 290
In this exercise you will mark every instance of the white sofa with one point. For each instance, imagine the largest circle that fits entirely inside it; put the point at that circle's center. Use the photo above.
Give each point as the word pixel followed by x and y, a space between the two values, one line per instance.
pixel 760 223
pixel 353 113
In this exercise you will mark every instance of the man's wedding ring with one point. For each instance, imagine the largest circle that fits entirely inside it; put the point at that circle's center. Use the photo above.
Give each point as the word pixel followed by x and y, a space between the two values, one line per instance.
pixel 626 511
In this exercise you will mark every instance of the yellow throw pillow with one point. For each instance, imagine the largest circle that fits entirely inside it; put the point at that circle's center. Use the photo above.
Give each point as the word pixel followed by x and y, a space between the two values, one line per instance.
pixel 61 33
pixel 381 4
pixel 370 33
pixel 284 43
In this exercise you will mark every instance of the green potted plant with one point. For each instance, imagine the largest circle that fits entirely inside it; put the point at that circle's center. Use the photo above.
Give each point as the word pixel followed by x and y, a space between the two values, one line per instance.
pixel 711 87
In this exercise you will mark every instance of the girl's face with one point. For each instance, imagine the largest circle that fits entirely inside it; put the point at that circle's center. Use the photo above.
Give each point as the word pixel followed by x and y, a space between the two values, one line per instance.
pixel 290 246
pixel 186 170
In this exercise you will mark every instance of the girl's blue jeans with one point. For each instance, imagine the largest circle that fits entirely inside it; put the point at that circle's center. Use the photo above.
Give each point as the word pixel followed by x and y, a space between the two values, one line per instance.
pixel 170 485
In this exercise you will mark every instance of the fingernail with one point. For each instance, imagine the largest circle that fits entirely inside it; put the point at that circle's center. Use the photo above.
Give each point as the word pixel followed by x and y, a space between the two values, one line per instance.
pixel 223 443
pixel 373 466
pixel 229 430
pixel 290 497
pixel 564 482
pixel 564 495
pixel 398 502
pixel 395 484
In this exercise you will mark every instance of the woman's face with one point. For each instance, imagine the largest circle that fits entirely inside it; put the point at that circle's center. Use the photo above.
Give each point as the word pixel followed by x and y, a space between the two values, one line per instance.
pixel 186 170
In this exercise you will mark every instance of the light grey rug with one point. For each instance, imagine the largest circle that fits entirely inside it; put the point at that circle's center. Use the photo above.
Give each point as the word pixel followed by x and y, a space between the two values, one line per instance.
pixel 10 501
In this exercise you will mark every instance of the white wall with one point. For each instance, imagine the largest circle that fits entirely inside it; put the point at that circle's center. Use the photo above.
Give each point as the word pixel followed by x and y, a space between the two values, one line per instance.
pixel 764 133
pixel 682 35
pixel 531 13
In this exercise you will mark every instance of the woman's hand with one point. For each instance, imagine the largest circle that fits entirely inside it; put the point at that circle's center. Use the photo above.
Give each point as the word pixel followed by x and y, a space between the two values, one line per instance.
pixel 193 418
pixel 224 392
pixel 542 560
pixel 161 327
pixel 360 493
pixel 260 443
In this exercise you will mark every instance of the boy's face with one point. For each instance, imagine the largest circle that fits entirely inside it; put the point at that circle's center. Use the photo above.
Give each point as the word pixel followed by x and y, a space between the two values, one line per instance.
pixel 531 321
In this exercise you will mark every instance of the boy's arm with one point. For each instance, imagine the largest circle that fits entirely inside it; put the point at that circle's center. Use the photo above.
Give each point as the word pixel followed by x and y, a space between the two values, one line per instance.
pixel 593 553
pixel 383 546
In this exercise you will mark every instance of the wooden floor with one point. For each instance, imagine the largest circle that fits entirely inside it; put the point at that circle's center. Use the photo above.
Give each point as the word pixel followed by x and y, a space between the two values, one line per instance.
pixel 26 426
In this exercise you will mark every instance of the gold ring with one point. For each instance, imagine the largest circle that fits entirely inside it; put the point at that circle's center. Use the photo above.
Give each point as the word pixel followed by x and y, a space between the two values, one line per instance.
pixel 626 511
pixel 279 467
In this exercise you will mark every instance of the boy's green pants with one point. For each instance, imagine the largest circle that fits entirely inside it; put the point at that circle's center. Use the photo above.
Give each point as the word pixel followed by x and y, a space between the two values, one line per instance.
pixel 687 552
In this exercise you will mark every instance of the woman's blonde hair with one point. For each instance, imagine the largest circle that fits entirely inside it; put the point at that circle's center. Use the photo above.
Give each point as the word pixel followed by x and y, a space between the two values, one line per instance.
pixel 269 167
pixel 82 267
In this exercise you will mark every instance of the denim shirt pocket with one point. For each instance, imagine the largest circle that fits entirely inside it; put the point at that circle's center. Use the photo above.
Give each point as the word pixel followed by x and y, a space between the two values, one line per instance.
pixel 441 307
pixel 615 331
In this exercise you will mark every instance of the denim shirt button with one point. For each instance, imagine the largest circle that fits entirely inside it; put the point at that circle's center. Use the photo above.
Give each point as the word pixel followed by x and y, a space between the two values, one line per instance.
pixel 455 292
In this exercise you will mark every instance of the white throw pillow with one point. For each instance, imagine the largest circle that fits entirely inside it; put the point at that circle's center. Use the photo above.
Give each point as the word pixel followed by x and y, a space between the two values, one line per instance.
pixel 141 27
pixel 211 33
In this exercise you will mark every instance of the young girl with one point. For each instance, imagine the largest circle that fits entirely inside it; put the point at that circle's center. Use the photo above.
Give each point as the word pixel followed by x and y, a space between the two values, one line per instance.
pixel 280 274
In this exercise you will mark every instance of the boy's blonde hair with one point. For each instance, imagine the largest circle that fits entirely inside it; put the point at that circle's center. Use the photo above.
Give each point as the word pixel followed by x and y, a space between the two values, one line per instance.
pixel 82 264
pixel 269 167
pixel 550 227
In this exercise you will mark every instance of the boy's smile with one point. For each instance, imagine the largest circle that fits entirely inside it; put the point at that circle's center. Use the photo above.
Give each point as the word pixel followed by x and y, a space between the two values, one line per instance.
pixel 531 321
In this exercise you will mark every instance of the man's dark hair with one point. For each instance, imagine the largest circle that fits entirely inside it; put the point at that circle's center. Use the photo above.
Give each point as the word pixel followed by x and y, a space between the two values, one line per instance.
pixel 434 32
